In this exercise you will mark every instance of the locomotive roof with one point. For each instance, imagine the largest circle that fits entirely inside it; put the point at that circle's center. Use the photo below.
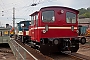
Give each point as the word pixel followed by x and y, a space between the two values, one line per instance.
pixel 60 7
pixel 24 21
pixel 4 28
pixel 55 7
pixel 34 13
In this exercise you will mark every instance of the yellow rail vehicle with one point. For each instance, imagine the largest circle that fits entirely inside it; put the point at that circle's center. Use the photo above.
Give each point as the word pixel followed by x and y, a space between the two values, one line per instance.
pixel 88 32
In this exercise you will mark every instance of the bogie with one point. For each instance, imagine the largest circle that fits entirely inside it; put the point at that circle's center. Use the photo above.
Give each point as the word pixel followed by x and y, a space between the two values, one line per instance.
pixel 62 45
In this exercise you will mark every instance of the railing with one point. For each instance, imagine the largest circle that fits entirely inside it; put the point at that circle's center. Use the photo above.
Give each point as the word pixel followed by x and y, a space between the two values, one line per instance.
pixel 20 52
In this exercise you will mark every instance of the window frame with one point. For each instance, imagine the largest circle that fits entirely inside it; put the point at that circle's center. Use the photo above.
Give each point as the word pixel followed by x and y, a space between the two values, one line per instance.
pixel 71 21
pixel 32 20
pixel 36 19
pixel 3 33
pixel 49 21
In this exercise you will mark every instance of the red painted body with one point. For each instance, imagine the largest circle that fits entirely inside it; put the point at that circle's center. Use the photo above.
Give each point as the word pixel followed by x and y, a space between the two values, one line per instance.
pixel 24 33
pixel 57 29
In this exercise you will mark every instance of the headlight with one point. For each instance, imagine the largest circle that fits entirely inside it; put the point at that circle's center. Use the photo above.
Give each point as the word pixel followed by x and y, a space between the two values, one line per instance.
pixel 46 27
pixel 72 28
pixel 77 31
pixel 44 31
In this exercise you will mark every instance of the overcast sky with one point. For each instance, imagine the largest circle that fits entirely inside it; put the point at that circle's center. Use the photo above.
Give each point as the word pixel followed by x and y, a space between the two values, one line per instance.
pixel 23 8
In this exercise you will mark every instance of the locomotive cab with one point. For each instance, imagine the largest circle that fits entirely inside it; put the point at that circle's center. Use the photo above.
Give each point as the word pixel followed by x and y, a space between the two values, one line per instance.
pixel 55 29
pixel 23 31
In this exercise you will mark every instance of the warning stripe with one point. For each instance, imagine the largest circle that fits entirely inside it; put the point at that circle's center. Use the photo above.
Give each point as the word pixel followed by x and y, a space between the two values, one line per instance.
pixel 53 28
pixel 27 32
pixel 21 33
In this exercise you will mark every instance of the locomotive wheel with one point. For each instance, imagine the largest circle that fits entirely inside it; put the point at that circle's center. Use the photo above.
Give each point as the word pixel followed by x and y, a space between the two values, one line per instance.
pixel 47 49
pixel 83 40
pixel 44 49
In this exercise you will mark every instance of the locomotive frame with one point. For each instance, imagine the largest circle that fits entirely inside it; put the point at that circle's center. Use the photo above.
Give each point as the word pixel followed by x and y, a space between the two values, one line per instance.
pixel 22 32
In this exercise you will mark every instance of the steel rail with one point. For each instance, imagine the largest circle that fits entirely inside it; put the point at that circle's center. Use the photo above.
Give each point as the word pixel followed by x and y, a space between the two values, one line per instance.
pixel 25 50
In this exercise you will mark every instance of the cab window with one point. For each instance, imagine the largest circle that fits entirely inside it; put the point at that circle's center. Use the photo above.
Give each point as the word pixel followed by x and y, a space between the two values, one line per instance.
pixel 32 20
pixel 48 16
pixel 36 16
pixel 70 17
pixel 5 33
pixel 36 19
pixel 23 25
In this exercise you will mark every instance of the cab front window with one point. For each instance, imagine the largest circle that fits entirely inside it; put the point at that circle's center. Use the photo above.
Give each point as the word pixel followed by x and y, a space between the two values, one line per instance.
pixel 70 17
pixel 48 16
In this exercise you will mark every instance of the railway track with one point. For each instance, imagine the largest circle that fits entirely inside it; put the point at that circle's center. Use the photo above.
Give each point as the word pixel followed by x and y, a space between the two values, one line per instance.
pixel 4 48
pixel 36 55
pixel 6 53
pixel 77 56
pixel 68 56
pixel 25 52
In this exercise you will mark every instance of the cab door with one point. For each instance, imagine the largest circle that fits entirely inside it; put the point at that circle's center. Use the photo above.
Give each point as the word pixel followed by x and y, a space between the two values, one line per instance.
pixel 32 28
pixel 36 27
pixel 71 21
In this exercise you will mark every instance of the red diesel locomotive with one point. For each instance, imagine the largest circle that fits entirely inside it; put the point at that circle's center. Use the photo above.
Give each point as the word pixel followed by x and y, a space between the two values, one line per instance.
pixel 54 29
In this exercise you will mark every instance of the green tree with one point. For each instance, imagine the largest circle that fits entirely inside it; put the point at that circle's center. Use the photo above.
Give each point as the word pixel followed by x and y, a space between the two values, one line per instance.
pixel 85 13
pixel 88 9
pixel 82 11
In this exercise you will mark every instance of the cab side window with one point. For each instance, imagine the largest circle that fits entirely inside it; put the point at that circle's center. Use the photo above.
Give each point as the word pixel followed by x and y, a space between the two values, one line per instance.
pixel 32 20
pixel 70 17
pixel 48 16
pixel 36 19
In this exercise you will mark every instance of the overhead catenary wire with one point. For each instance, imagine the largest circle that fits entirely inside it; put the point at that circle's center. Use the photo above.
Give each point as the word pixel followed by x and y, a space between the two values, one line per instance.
pixel 19 8
pixel 6 11
pixel 34 1
pixel 3 4
pixel 1 7
pixel 28 8
pixel 22 10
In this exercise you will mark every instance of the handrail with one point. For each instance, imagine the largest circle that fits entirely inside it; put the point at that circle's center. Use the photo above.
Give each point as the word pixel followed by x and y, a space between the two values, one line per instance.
pixel 12 45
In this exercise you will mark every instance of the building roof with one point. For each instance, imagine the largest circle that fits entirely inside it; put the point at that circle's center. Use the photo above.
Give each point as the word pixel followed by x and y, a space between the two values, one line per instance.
pixel 84 21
